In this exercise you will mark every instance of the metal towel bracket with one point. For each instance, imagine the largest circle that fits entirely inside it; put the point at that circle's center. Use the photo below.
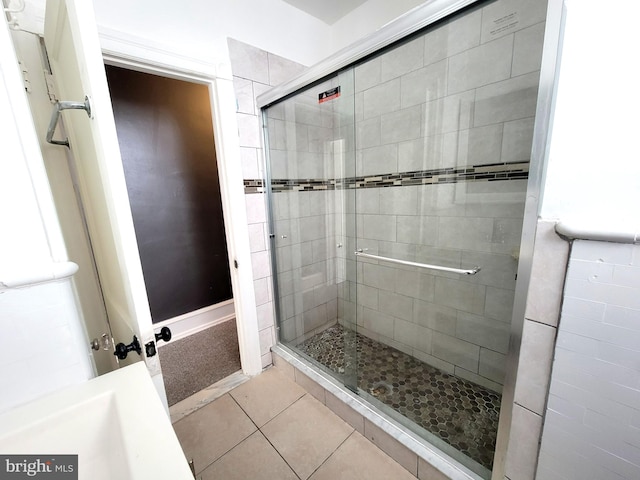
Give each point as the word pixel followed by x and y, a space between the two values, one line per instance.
pixel 55 116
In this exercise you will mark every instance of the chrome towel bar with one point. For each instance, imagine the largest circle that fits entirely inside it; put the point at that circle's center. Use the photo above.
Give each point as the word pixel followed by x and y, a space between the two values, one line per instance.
pixel 55 116
pixel 462 271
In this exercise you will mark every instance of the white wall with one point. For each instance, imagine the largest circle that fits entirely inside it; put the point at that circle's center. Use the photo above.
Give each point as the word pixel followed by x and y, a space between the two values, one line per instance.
pixel 199 28
pixel 594 164
pixel 42 337
pixel 366 19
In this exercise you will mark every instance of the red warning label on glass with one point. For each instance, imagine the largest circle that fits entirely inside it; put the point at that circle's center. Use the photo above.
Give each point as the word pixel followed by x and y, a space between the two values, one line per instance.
pixel 329 95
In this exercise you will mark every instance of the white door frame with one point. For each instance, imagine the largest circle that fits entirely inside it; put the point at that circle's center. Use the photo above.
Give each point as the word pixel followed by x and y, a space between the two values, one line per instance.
pixel 123 51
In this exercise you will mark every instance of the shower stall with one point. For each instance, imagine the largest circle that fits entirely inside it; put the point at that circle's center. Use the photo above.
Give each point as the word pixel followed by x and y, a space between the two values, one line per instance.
pixel 396 189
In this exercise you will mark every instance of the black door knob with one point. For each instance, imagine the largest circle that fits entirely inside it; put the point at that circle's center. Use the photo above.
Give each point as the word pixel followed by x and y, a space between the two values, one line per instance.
pixel 123 350
pixel 165 334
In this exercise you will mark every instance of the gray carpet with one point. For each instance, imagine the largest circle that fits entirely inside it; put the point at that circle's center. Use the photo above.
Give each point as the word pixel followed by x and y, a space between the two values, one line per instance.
pixel 195 362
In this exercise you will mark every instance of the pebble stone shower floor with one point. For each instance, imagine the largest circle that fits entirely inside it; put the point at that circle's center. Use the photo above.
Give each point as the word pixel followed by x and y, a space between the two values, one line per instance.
pixel 461 413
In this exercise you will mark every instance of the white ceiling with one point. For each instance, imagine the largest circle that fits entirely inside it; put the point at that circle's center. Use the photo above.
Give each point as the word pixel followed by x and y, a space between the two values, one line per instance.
pixel 329 11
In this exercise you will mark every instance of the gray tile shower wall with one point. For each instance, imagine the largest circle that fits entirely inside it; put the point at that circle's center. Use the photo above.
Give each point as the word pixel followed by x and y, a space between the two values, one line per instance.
pixel 254 72
pixel 432 168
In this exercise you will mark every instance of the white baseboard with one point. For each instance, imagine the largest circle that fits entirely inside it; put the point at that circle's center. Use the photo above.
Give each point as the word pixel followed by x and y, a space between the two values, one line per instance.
pixel 193 322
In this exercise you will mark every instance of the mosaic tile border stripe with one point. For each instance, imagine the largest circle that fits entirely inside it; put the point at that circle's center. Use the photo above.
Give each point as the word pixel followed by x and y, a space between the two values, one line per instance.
pixel 490 172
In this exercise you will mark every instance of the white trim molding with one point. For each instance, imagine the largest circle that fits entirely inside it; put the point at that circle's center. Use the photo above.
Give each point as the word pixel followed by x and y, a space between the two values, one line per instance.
pixel 134 51
pixel 600 233
pixel 29 275
pixel 407 24
pixel 126 51
pixel 193 322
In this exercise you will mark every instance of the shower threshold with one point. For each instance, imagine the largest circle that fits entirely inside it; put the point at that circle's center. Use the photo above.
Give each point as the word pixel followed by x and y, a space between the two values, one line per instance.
pixel 459 412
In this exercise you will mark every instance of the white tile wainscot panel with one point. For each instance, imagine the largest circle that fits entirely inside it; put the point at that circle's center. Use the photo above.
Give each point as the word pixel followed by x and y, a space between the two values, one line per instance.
pixel 593 413
pixel 43 347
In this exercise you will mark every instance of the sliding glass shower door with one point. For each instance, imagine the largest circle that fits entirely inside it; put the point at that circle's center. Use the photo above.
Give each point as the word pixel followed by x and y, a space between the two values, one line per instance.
pixel 397 198
pixel 311 150
pixel 440 194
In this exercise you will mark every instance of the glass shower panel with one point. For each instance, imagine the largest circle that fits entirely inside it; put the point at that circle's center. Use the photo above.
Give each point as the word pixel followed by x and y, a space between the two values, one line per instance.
pixel 396 207
pixel 311 151
pixel 442 147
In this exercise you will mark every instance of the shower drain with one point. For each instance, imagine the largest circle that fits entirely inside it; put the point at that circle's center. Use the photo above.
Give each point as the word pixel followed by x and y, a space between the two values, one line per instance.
pixel 380 389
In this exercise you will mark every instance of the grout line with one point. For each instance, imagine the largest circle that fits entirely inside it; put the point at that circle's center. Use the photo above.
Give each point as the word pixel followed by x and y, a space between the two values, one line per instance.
pixel 334 451
pixel 259 429
pixel 262 433
pixel 529 410
pixel 228 451
pixel 245 412
pixel 234 446
pixel 213 392
pixel 285 409
pixel 278 452
pixel 271 419
pixel 540 322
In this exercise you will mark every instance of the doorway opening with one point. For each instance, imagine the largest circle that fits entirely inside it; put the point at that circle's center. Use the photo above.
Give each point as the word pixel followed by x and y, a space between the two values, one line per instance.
pixel 165 133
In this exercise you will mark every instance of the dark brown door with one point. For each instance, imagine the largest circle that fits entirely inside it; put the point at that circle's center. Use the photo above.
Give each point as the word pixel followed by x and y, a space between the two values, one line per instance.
pixel 165 133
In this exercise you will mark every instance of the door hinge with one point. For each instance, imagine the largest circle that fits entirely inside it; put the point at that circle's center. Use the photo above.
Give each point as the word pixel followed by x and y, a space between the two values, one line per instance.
pixel 235 264
pixel 51 87
pixel 48 73
pixel 25 76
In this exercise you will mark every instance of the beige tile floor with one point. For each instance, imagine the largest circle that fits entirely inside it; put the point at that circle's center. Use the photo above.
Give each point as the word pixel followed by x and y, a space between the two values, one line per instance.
pixel 270 428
